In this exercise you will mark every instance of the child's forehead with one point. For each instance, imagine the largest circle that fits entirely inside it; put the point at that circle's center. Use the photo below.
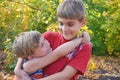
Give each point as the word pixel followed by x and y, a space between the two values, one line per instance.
pixel 67 20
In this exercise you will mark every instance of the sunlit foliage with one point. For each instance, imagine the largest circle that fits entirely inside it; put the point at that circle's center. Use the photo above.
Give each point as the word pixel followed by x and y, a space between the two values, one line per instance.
pixel 103 23
pixel 23 15
pixel 104 20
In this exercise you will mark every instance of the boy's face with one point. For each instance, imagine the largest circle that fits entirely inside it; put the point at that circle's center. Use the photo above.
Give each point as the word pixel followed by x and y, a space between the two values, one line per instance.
pixel 69 27
pixel 42 50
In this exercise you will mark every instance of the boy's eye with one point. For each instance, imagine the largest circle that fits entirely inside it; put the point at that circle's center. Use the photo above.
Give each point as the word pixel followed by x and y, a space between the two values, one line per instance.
pixel 60 23
pixel 41 45
pixel 70 24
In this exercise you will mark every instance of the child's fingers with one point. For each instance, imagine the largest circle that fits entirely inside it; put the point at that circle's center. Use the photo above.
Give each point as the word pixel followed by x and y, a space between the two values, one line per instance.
pixel 86 36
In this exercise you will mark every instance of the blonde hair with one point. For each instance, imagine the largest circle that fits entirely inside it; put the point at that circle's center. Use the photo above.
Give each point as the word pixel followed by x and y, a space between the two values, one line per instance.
pixel 71 9
pixel 25 43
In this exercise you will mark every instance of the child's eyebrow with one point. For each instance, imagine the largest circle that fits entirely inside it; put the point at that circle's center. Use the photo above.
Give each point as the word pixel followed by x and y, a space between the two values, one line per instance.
pixel 71 22
pixel 60 21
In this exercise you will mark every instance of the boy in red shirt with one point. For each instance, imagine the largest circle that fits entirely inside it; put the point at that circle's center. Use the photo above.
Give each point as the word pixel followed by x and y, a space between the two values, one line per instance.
pixel 71 17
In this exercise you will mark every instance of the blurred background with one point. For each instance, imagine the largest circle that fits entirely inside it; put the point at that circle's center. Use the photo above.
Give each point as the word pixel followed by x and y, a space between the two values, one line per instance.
pixel 103 25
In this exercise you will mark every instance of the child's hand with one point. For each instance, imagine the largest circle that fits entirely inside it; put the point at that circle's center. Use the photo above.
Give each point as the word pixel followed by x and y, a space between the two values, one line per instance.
pixel 22 75
pixel 86 38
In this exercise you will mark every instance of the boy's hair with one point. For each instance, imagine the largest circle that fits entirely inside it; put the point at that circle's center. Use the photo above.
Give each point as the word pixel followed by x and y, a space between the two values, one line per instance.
pixel 25 43
pixel 71 9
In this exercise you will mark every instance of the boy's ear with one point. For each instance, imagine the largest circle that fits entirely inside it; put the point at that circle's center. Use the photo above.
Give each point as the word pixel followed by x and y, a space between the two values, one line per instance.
pixel 83 22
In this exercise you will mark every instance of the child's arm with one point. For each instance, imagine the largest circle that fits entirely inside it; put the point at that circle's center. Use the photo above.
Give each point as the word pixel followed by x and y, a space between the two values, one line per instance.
pixel 19 72
pixel 65 74
pixel 38 63
pixel 18 65
pixel 78 65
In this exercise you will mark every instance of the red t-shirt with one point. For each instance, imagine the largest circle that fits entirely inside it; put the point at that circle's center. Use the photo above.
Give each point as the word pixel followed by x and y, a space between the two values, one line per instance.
pixel 79 61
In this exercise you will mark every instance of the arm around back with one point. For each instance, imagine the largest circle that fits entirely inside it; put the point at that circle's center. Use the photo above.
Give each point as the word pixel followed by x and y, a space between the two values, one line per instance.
pixel 66 74
pixel 39 63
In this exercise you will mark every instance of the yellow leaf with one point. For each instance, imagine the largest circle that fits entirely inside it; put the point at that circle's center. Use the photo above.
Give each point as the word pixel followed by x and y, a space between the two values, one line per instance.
pixel 91 65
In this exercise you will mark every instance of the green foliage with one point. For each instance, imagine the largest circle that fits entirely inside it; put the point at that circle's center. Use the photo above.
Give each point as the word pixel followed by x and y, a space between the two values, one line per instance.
pixel 23 15
pixel 53 27
pixel 103 19
pixel 95 20
pixel 112 28
pixel 10 59
pixel 17 16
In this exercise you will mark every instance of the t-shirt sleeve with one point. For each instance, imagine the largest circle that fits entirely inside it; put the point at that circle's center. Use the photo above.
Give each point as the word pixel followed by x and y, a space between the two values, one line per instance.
pixel 81 59
pixel 47 35
pixel 50 37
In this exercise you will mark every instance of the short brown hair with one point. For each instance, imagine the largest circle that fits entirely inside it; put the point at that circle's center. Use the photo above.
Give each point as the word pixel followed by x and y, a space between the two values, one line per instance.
pixel 71 9
pixel 25 43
